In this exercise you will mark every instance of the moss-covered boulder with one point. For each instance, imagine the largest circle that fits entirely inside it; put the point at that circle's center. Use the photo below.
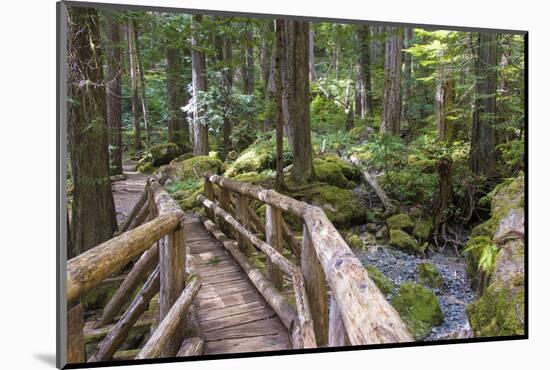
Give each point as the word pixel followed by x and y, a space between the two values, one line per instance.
pixel 146 167
pixel 196 167
pixel 183 157
pixel 340 205
pixel 258 157
pixel 500 309
pixel 429 275
pixel 422 229
pixel 382 282
pixel 335 171
pixel 354 241
pixel 419 309
pixel 264 179
pixel 400 221
pixel 403 241
pixel 164 153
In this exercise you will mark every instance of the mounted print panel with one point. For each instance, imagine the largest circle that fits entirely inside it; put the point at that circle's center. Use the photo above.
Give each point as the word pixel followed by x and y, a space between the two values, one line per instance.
pixel 240 184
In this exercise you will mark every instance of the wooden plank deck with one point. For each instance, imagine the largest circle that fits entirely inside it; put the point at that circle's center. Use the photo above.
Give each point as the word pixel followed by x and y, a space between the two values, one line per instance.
pixel 232 314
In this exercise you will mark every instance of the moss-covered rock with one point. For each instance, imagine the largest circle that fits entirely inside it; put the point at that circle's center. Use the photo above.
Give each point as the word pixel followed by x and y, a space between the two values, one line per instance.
pixel 196 167
pixel 264 179
pixel 499 311
pixel 164 153
pixel 400 221
pixel 382 282
pixel 402 240
pixel 146 167
pixel 422 229
pixel 419 309
pixel 259 156
pixel 183 157
pixel 354 241
pixel 429 275
pixel 335 171
pixel 340 205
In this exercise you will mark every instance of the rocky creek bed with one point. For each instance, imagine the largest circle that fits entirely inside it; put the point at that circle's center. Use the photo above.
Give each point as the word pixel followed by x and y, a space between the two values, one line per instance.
pixel 454 295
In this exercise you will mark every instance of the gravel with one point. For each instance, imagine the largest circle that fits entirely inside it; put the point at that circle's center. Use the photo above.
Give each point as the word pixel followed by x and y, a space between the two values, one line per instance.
pixel 454 296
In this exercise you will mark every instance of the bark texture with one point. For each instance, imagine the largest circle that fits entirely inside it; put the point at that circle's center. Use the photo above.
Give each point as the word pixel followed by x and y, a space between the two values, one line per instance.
pixel 198 60
pixel 93 210
pixel 391 113
pixel 134 76
pixel 178 130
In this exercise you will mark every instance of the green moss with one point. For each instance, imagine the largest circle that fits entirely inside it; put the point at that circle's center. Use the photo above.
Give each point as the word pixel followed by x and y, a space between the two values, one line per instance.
pixel 164 153
pixel 196 167
pixel 264 179
pixel 498 312
pixel 422 228
pixel 183 157
pixel 97 298
pixel 259 156
pixel 381 281
pixel 146 167
pixel 419 309
pixel 340 205
pixel 402 240
pixel 354 241
pixel 429 275
pixel 335 171
pixel 400 221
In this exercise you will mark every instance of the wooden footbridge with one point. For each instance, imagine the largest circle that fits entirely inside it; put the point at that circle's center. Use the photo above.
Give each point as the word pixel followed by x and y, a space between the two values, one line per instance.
pixel 193 287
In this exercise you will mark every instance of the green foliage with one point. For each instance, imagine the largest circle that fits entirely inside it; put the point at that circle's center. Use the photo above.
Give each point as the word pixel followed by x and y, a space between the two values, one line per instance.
pixel 483 249
pixel 419 309
pixel 513 154
pixel 399 222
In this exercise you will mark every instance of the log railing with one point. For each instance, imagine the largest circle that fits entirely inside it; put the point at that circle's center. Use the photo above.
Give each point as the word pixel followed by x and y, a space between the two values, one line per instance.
pixel 159 247
pixel 359 313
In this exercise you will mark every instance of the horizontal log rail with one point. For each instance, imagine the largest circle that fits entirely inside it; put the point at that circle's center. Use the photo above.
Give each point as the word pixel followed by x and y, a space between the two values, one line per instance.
pixel 305 321
pixel 358 307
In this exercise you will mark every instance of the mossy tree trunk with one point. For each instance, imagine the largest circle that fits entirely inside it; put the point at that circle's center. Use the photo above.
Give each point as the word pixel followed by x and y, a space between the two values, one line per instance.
pixel 130 36
pixel 278 94
pixel 296 88
pixel 93 209
pixel 407 74
pixel 223 46
pixel 114 101
pixel 198 60
pixel 247 70
pixel 482 152
pixel 312 72
pixel 391 114
pixel 364 71
pixel 178 130
pixel 142 96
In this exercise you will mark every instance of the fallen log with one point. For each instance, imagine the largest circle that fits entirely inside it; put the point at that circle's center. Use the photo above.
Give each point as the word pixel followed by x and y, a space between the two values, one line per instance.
pixel 371 181
pixel 88 269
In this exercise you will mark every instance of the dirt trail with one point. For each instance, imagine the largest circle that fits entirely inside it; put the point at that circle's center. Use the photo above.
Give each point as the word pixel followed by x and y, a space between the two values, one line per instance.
pixel 127 192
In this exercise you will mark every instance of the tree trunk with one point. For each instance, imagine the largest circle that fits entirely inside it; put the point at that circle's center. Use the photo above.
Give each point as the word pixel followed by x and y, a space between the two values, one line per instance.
pixel 312 72
pixel 364 41
pixel 444 170
pixel 143 98
pixel 482 152
pixel 130 35
pixel 443 103
pixel 248 63
pixel 391 114
pixel 224 54
pixel 296 87
pixel 279 116
pixel 407 74
pixel 198 60
pixel 93 210
pixel 178 132
pixel 114 101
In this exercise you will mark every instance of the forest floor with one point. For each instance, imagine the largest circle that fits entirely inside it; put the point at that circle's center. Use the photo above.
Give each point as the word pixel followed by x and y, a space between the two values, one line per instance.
pixel 126 192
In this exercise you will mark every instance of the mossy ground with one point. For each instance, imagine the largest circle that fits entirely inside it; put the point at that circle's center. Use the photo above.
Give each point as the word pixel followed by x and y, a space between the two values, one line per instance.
pixel 419 309
pixel 429 275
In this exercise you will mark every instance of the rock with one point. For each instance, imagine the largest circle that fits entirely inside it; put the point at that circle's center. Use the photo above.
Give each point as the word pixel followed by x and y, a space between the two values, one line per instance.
pixel 119 177
pixel 429 275
pixel 335 171
pixel 500 310
pixel 262 179
pixel 354 241
pixel 164 153
pixel 382 282
pixel 419 309
pixel 382 234
pixel 196 167
pixel 146 167
pixel 369 239
pixel 182 157
pixel 422 229
pixel 372 227
pixel 400 221
pixel 402 240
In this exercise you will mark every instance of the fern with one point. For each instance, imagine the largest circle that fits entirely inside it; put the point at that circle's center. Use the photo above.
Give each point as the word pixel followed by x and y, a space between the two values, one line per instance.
pixel 484 250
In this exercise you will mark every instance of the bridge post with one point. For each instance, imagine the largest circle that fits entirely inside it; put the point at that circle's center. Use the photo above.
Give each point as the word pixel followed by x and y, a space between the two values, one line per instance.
pixel 316 288
pixel 243 218
pixel 225 204
pixel 209 193
pixel 274 237
pixel 75 335
pixel 172 257
pixel 337 336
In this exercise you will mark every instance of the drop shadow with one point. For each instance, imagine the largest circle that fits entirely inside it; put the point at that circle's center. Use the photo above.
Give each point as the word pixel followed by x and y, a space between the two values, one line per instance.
pixel 46 358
